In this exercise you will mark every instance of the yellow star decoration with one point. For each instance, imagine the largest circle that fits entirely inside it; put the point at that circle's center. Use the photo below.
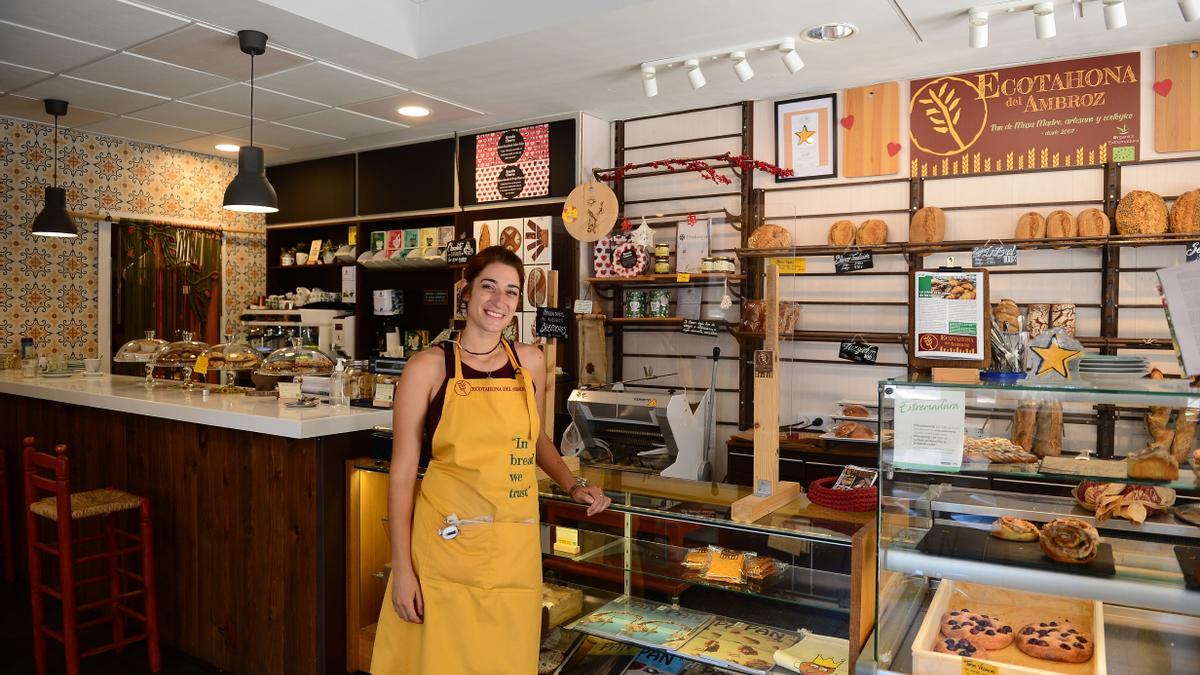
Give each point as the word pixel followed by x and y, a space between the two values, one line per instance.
pixel 1055 358
pixel 570 214
pixel 804 136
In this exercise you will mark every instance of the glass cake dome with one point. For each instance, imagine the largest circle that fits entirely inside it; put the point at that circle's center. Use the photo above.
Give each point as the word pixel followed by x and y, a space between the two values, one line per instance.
pixel 296 359
pixel 140 350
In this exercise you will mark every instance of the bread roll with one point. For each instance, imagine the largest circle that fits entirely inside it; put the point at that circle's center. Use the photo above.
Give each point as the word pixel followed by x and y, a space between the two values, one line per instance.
pixel 928 225
pixel 1014 529
pixel 871 232
pixel 1047 437
pixel 1061 225
pixel 770 236
pixel 1185 212
pixel 841 233
pixel 1070 540
pixel 1141 212
pixel 1031 226
pixel 1093 223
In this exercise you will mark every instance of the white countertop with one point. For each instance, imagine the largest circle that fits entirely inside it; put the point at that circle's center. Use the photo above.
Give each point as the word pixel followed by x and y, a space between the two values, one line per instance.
pixel 128 394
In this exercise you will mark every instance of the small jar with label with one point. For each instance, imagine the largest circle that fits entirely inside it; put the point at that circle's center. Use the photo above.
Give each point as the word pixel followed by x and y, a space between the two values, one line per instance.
pixel 660 303
pixel 724 264
pixel 662 259
pixel 635 304
pixel 707 264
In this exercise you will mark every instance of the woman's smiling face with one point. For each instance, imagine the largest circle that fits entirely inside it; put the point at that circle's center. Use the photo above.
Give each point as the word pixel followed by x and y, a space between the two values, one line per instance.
pixel 494 297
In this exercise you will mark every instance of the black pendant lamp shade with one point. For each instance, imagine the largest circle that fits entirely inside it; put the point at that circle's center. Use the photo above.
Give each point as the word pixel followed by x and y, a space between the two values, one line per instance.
pixel 249 191
pixel 54 221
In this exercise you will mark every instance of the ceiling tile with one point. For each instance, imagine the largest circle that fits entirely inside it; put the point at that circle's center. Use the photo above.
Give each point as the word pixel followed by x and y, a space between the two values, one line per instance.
pixel 328 84
pixel 37 49
pixel 439 111
pixel 267 104
pixel 13 76
pixel 338 122
pixel 33 109
pixel 155 77
pixel 207 145
pixel 284 136
pixel 190 116
pixel 140 130
pixel 213 51
pixel 91 94
pixel 102 22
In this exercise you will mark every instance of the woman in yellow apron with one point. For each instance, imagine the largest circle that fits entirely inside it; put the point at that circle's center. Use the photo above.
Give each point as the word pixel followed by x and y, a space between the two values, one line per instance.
pixel 465 592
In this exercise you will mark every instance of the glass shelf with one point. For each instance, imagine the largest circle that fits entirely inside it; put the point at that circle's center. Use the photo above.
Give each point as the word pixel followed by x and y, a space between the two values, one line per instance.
pixel 1176 393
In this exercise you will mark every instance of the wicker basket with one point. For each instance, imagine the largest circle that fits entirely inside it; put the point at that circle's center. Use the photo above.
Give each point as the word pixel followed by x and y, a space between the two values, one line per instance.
pixel 863 499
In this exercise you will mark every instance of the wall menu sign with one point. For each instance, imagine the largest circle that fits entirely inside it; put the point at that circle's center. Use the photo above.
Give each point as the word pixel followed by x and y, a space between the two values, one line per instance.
pixel 1081 112
pixel 512 164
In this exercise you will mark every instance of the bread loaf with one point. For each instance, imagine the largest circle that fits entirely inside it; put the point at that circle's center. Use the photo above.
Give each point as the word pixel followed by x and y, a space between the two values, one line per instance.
pixel 1024 425
pixel 1007 315
pixel 841 233
pixel 1093 223
pixel 1185 433
pixel 1157 418
pixel 770 236
pixel 1185 212
pixel 1031 226
pixel 928 225
pixel 1063 316
pixel 871 232
pixel 1037 319
pixel 1061 225
pixel 1141 212
pixel 1047 437
pixel 1154 462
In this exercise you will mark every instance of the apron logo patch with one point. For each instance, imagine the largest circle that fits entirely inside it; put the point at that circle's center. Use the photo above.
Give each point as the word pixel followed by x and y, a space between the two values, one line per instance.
pixel 462 388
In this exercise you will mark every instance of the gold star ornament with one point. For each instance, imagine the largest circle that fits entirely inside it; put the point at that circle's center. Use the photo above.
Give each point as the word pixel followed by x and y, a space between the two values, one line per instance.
pixel 804 136
pixel 1055 358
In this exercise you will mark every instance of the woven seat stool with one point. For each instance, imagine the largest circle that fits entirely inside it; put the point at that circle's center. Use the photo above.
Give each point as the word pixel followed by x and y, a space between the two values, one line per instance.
pixel 6 545
pixel 64 508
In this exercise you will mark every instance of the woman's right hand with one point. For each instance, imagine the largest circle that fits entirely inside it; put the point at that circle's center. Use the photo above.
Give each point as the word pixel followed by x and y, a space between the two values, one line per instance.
pixel 406 596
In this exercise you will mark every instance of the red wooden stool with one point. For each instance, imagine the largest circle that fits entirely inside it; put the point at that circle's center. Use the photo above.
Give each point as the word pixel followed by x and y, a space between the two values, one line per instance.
pixel 63 508
pixel 5 528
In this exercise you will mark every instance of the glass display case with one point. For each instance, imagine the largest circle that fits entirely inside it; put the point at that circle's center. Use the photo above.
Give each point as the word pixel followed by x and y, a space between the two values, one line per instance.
pixel 228 359
pixel 1062 535
pixel 803 572
pixel 180 356
pixel 141 350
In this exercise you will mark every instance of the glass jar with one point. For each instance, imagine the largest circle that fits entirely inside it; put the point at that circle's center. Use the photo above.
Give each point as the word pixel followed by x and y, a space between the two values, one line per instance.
pixel 724 264
pixel 662 259
pixel 635 304
pixel 360 381
pixel 660 303
pixel 706 264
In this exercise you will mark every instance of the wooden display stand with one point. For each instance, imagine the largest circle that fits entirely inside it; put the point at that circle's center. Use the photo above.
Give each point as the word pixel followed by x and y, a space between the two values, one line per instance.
pixel 769 492
pixel 551 352
pixel 951 371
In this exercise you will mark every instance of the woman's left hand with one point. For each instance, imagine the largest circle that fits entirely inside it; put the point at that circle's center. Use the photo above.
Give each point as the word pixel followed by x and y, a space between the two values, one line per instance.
pixel 594 497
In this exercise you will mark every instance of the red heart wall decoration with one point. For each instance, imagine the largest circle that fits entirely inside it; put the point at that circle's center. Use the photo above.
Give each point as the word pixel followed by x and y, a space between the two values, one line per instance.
pixel 1162 87
pixel 892 149
pixel 848 121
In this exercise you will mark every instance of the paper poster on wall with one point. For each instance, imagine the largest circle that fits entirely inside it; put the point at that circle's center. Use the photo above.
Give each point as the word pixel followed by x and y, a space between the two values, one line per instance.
pixel 537 287
pixel 1081 112
pixel 930 424
pixel 948 315
pixel 535 246
pixel 485 233
pixel 508 234
pixel 512 164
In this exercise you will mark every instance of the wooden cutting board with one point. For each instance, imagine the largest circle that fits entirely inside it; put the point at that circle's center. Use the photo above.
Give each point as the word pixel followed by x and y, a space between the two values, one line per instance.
pixel 1177 115
pixel 870 124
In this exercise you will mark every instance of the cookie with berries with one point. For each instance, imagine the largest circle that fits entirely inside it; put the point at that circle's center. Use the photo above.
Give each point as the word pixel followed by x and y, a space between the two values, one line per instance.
pixel 985 631
pixel 1056 641
pixel 960 647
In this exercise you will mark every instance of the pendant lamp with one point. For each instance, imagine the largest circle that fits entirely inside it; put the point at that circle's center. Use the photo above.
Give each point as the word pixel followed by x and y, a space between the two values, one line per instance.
pixel 54 221
pixel 249 191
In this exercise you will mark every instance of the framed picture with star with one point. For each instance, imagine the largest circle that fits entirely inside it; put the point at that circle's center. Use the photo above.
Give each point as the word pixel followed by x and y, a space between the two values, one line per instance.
pixel 805 139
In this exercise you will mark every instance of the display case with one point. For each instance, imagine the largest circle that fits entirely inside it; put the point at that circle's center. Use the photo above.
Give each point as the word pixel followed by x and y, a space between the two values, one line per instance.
pixel 1052 545
pixel 650 553
pixel 179 358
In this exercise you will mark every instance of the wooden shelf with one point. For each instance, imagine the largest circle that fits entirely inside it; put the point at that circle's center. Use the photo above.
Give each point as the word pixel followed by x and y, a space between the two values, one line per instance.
pixel 645 321
pixel 309 267
pixel 1127 240
pixel 700 278
pixel 828 336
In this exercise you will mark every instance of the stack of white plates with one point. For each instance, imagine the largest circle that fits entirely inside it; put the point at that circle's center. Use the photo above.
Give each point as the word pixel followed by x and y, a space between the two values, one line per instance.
pixel 1099 368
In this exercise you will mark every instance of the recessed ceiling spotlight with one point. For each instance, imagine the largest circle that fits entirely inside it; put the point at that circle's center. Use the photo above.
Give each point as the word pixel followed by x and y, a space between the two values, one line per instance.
pixel 978 21
pixel 1114 14
pixel 830 32
pixel 1190 9
pixel 649 84
pixel 413 111
pixel 693 72
pixel 741 67
pixel 1043 20
pixel 227 147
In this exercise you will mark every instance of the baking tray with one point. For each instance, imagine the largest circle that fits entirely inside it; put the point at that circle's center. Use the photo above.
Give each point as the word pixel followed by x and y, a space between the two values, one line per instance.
pixel 829 436
pixel 1189 563
pixel 1018 608
pixel 971 544
pixel 850 418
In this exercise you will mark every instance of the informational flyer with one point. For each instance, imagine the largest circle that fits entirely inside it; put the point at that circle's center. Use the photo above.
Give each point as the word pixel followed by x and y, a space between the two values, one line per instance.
pixel 1180 289
pixel 948 315
pixel 930 424
pixel 512 164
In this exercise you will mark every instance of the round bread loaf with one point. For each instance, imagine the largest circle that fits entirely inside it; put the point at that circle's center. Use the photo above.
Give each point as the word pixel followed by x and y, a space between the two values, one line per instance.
pixel 1141 212
pixel 871 232
pixel 1061 225
pixel 1093 223
pixel 928 225
pixel 1031 226
pixel 770 236
pixel 841 233
pixel 1185 212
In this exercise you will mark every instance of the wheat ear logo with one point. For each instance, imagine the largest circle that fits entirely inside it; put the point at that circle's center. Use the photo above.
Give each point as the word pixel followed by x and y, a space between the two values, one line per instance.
pixel 953 116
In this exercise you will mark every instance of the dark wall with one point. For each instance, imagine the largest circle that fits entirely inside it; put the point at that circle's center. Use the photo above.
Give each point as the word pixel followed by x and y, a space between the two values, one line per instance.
pixel 406 178
pixel 313 190
pixel 562 164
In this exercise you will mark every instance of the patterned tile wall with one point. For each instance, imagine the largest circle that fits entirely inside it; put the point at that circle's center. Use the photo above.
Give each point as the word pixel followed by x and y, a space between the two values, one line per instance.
pixel 48 287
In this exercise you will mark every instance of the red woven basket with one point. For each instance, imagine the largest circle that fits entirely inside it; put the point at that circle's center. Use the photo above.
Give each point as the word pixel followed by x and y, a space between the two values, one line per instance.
pixel 863 499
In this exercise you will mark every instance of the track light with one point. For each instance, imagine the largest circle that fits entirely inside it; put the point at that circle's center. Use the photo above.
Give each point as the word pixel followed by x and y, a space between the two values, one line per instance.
pixel 978 23
pixel 1190 9
pixel 1043 20
pixel 741 67
pixel 694 75
pixel 791 60
pixel 649 84
pixel 1114 14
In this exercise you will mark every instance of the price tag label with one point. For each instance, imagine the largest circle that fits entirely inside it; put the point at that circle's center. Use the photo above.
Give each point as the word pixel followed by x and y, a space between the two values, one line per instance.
pixel 384 394
pixel 289 391
pixel 994 255
pixel 566 540
pixel 1193 251
pixel 852 262
pixel 551 322
pixel 201 366
pixel 705 328
pixel 583 306
pixel 860 352
pixel 973 667
pixel 682 278
pixel 791 265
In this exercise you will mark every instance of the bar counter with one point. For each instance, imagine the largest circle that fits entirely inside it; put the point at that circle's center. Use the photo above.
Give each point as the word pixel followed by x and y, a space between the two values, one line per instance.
pixel 248 503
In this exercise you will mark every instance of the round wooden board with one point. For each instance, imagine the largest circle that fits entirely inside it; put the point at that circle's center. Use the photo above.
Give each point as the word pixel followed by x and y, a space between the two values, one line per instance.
pixel 590 211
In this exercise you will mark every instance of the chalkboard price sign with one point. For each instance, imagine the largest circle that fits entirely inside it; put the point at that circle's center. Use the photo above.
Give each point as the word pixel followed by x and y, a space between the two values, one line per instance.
pixel 705 328
pixel 551 322
pixel 853 261
pixel 994 255
pixel 860 352
pixel 460 251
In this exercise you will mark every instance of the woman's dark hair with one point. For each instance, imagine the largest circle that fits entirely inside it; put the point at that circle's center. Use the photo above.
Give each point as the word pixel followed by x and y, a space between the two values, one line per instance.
pixel 494 254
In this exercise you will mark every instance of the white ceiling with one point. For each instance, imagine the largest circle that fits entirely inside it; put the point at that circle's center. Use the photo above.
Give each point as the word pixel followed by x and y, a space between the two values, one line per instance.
pixel 170 72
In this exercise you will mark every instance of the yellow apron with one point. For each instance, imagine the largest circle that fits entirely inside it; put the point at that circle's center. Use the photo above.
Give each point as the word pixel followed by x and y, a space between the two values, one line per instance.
pixel 475 539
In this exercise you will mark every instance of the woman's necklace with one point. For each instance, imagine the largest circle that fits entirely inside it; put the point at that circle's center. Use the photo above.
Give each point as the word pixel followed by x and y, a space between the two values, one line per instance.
pixel 462 347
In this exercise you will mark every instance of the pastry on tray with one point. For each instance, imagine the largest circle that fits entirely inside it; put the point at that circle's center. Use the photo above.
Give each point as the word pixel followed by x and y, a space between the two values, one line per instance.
pixel 961 647
pixel 1153 462
pixel 852 430
pixel 1070 540
pixel 1014 529
pixel 855 410
pixel 981 630
pixel 1056 640
pixel 995 450
pixel 1132 502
